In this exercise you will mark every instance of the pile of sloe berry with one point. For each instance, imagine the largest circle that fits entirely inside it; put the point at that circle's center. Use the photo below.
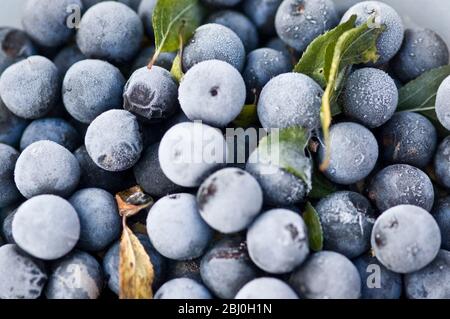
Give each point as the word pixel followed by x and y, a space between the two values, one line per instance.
pixel 82 117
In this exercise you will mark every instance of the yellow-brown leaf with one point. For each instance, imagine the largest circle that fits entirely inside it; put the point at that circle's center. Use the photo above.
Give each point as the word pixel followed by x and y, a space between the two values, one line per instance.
pixel 136 273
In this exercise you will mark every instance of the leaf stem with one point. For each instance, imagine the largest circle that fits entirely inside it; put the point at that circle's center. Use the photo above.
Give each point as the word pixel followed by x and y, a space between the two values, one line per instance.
pixel 124 221
pixel 154 58
pixel 180 51
pixel 325 114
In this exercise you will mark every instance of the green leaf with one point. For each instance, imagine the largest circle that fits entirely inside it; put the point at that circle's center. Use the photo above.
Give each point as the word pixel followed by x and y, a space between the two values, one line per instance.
pixel 321 186
pixel 295 135
pixel 248 116
pixel 177 68
pixel 319 54
pixel 175 21
pixel 285 148
pixel 314 226
pixel 355 46
pixel 420 94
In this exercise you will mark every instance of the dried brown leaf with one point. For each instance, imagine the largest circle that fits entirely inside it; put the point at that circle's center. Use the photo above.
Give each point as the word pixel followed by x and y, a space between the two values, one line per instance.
pixel 136 273
pixel 132 201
